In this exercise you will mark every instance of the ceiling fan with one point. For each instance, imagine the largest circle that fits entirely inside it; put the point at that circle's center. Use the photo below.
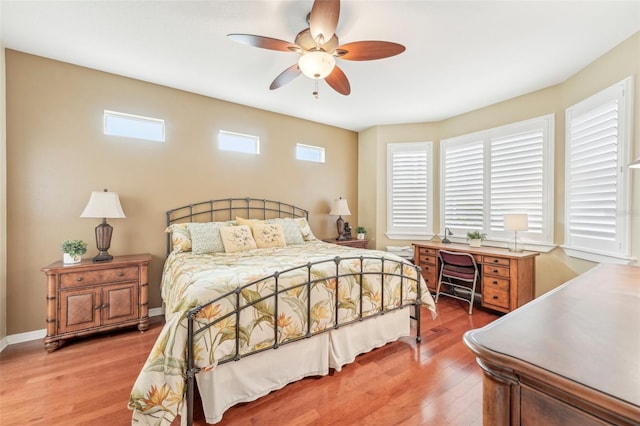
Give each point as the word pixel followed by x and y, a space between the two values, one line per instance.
pixel 318 48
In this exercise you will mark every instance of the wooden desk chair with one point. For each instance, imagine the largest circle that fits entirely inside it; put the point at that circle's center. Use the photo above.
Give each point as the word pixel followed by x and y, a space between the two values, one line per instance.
pixel 458 271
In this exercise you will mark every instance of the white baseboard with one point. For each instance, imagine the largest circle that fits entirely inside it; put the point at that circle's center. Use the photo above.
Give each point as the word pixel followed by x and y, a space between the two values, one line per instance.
pixel 39 334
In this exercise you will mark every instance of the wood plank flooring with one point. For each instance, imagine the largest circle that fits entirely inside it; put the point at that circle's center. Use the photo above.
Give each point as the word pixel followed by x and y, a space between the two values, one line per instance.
pixel 88 381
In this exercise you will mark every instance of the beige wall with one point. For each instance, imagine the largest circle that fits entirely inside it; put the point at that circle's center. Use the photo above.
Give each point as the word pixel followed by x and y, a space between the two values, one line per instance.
pixel 555 267
pixel 3 198
pixel 57 155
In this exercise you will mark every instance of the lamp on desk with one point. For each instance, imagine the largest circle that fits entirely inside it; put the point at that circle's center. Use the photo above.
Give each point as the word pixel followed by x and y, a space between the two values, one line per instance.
pixel 446 239
pixel 516 222
pixel 340 208
pixel 103 205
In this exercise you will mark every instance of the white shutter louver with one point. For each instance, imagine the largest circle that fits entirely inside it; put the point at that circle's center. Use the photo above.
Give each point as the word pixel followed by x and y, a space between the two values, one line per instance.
pixel 517 178
pixel 409 189
pixel 463 185
pixel 593 174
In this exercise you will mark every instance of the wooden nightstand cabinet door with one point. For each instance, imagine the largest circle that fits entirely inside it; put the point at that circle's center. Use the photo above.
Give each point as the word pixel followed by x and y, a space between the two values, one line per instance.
pixel 120 303
pixel 79 310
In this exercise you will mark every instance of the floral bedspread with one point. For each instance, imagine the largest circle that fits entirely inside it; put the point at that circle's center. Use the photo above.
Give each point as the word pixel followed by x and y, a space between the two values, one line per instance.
pixel 190 280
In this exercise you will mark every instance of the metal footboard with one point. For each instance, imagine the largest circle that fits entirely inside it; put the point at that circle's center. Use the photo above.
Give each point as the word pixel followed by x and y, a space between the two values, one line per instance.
pixel 194 328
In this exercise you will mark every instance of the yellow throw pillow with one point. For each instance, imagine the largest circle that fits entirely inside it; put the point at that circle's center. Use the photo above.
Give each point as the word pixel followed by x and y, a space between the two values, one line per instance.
pixel 268 235
pixel 250 222
pixel 237 238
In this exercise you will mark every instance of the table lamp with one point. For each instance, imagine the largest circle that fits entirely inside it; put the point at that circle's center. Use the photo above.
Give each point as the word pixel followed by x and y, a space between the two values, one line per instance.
pixel 516 222
pixel 104 205
pixel 340 208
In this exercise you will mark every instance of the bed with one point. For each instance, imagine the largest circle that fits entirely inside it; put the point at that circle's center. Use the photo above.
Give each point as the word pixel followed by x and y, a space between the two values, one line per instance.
pixel 253 301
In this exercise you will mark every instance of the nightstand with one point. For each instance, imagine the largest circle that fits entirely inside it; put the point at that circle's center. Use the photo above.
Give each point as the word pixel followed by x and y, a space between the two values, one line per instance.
pixel 350 243
pixel 91 297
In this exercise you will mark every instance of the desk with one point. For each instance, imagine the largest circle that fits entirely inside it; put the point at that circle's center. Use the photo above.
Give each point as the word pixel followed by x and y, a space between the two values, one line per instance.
pixel 570 357
pixel 507 279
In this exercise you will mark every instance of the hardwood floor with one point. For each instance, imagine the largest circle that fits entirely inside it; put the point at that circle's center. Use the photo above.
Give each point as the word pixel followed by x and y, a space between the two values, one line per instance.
pixel 88 381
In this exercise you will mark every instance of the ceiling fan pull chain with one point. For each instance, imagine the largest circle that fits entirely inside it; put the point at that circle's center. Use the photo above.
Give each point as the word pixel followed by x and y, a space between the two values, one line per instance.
pixel 315 92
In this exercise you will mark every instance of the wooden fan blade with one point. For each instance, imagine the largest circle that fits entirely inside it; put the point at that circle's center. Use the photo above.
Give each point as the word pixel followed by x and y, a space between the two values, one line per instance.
pixel 323 19
pixel 285 77
pixel 369 50
pixel 264 42
pixel 338 81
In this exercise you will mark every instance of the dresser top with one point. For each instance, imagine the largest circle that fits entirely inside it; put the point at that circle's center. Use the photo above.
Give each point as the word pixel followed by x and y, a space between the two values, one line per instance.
pixel 587 331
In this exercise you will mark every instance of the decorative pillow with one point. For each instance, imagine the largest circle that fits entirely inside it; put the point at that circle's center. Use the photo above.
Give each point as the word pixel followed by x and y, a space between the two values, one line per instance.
pixel 268 235
pixel 250 222
pixel 305 229
pixel 205 237
pixel 237 238
pixel 292 234
pixel 180 237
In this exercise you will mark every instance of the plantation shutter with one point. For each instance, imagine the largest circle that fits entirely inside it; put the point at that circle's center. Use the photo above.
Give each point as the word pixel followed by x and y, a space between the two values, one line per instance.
pixel 592 177
pixel 409 189
pixel 463 185
pixel 517 175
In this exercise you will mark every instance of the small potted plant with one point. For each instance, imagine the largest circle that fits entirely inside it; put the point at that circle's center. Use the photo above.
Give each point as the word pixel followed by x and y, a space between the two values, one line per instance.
pixel 361 232
pixel 73 250
pixel 475 238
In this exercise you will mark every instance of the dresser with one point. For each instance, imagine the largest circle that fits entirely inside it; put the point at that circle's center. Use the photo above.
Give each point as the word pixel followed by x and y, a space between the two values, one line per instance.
pixel 507 279
pixel 349 243
pixel 570 357
pixel 91 297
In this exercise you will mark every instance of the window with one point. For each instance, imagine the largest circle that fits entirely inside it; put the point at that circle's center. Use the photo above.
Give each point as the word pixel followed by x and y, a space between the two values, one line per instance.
pixel 598 133
pixel 503 170
pixel 409 190
pixel 228 141
pixel 133 126
pixel 309 153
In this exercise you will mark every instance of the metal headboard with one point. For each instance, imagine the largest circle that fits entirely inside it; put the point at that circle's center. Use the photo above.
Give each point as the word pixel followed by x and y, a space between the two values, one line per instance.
pixel 228 208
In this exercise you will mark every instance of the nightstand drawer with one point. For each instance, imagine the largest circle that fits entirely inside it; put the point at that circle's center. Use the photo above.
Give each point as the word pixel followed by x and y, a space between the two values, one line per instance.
pixel 76 279
pixel 499 271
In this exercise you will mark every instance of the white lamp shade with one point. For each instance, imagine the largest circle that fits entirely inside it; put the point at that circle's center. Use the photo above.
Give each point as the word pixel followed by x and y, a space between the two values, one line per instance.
pixel 340 208
pixel 103 205
pixel 316 64
pixel 516 222
pixel 635 164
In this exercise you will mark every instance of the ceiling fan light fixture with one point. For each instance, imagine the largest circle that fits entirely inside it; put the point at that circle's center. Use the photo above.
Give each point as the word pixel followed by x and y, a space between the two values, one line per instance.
pixel 316 64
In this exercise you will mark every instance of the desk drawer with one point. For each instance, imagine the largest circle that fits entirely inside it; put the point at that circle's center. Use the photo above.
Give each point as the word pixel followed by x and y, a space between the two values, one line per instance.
pixel 495 296
pixel 99 276
pixel 427 260
pixel 495 283
pixel 499 271
pixel 492 260
pixel 423 251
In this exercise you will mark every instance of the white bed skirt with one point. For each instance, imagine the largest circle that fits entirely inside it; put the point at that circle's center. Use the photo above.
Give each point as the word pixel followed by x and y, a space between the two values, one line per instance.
pixel 257 375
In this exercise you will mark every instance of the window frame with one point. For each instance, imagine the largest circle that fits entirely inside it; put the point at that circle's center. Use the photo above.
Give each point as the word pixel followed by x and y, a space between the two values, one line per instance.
pixel 320 150
pixel 132 118
pixel 410 233
pixel 581 247
pixel 246 137
pixel 539 241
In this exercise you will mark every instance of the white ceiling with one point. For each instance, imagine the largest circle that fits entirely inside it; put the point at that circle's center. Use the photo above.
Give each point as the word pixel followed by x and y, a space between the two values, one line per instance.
pixel 461 55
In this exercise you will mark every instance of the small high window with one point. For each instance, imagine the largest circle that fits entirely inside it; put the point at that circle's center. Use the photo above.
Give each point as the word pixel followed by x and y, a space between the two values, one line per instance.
pixel 229 141
pixel 309 153
pixel 133 126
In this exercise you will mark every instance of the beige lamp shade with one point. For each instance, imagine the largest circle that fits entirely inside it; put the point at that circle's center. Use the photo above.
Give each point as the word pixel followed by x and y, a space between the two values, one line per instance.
pixel 340 208
pixel 635 164
pixel 516 222
pixel 103 205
